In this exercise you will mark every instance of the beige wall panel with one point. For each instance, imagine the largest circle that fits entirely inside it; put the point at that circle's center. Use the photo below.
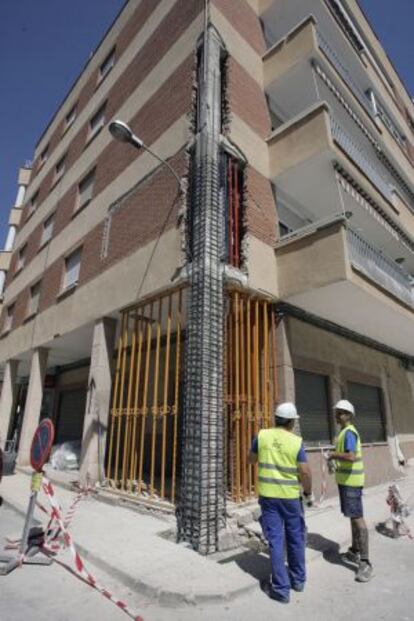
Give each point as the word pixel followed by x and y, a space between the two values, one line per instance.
pixel 261 266
pixel 15 216
pixel 283 56
pixel 5 258
pixel 299 140
pixel 303 265
pixel 251 144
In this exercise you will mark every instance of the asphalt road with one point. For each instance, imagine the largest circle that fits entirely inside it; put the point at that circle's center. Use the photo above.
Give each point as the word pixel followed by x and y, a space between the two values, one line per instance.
pixel 39 593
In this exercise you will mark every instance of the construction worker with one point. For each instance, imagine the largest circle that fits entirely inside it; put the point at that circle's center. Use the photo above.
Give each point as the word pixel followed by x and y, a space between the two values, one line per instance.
pixel 282 469
pixel 349 475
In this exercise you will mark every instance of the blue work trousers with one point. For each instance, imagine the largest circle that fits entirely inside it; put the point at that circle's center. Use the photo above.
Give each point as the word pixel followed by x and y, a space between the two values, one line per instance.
pixel 282 521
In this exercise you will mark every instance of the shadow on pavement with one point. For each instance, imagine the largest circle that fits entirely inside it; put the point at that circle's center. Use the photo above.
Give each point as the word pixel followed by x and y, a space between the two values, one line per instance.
pixel 253 563
pixel 329 549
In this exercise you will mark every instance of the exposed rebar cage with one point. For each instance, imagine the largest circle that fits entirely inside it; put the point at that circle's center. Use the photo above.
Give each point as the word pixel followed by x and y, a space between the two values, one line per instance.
pixel 201 509
pixel 250 386
pixel 144 422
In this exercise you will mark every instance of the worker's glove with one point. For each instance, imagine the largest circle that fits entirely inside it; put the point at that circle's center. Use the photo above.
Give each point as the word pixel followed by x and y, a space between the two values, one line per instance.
pixel 330 462
pixel 308 499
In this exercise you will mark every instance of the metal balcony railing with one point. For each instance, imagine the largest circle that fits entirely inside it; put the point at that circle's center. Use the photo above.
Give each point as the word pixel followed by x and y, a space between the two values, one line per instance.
pixel 343 72
pixel 379 268
pixel 354 151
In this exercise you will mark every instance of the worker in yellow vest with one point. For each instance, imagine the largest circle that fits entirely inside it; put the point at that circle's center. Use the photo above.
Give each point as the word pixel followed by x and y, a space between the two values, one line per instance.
pixel 349 475
pixel 283 471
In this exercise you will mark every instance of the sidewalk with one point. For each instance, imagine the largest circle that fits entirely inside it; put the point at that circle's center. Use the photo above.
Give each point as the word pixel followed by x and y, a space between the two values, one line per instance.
pixel 131 547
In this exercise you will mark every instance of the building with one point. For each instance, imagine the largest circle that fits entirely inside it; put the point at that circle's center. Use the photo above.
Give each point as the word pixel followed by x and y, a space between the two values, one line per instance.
pixel 158 323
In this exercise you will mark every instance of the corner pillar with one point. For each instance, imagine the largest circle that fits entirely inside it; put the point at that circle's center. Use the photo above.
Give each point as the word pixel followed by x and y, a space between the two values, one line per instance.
pixel 8 398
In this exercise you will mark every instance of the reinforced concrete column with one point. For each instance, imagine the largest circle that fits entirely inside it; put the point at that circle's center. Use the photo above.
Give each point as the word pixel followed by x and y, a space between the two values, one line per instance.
pixel 201 506
pixel 98 401
pixel 8 398
pixel 33 403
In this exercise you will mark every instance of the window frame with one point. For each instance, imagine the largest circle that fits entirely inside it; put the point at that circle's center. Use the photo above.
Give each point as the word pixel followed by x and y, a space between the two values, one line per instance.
pixel 107 65
pixel 71 116
pixel 9 318
pixel 30 311
pixel 65 286
pixel 80 204
pixel 44 241
pixel 59 174
pixel 21 258
pixel 94 131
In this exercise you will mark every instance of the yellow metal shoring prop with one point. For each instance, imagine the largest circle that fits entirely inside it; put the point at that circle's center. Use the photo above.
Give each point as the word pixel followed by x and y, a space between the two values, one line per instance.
pixel 145 399
pixel 133 462
pixel 231 396
pixel 128 422
pixel 176 394
pixel 237 391
pixel 256 357
pixel 226 401
pixel 249 385
pixel 274 362
pixel 155 410
pixel 115 397
pixel 244 440
pixel 121 397
pixel 266 379
pixel 165 399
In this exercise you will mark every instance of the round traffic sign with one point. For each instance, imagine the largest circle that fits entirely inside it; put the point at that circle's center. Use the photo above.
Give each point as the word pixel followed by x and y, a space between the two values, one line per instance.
pixel 41 444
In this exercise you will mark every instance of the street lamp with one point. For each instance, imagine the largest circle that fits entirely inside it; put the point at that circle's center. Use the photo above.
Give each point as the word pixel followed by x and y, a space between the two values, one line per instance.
pixel 123 133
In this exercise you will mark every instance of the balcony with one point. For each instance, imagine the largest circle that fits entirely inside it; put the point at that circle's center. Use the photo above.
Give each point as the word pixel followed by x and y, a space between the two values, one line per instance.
pixel 333 272
pixel 323 168
pixel 304 69
pixel 5 258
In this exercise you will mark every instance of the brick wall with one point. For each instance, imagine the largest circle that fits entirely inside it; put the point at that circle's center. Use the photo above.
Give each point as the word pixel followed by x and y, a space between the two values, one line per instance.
pixel 242 17
pixel 260 216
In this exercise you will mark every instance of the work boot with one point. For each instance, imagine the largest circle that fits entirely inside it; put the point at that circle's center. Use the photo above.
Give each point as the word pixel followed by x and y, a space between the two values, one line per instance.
pixel 266 587
pixel 353 556
pixel 299 587
pixel 364 573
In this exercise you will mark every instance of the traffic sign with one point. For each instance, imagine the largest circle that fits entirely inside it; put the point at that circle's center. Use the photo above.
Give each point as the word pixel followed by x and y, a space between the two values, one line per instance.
pixel 42 444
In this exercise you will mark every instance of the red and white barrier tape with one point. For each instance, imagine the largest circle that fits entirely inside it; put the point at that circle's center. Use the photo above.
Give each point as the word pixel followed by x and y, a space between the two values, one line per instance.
pixel 78 563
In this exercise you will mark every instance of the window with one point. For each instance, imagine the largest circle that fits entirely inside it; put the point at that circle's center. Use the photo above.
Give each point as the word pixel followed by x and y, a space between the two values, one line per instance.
pixel 367 401
pixel 47 230
pixel 72 268
pixel 85 190
pixel 21 258
pixel 107 65
pixel 33 304
pixel 313 406
pixel 33 203
pixel 71 116
pixel 97 121
pixel 60 167
pixel 8 320
pixel 44 155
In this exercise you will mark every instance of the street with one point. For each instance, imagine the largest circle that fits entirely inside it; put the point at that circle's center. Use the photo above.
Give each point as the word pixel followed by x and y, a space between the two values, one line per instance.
pixel 39 593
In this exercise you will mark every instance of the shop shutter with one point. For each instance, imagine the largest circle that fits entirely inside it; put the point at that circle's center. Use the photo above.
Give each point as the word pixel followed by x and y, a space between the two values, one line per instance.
pixel 313 406
pixel 70 417
pixel 369 421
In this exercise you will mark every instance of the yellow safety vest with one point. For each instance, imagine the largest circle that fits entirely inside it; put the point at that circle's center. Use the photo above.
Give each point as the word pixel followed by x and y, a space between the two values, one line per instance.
pixel 347 472
pixel 278 470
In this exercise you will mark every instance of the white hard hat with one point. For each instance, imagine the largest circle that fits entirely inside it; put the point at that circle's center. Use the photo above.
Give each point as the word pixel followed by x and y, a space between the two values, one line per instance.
pixel 286 410
pixel 346 406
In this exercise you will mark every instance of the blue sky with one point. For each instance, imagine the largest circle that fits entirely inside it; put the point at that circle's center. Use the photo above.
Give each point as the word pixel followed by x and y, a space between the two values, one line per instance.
pixel 45 43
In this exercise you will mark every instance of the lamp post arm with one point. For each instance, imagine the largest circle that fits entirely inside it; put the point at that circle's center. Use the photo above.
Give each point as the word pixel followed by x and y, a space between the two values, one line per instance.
pixel 170 168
